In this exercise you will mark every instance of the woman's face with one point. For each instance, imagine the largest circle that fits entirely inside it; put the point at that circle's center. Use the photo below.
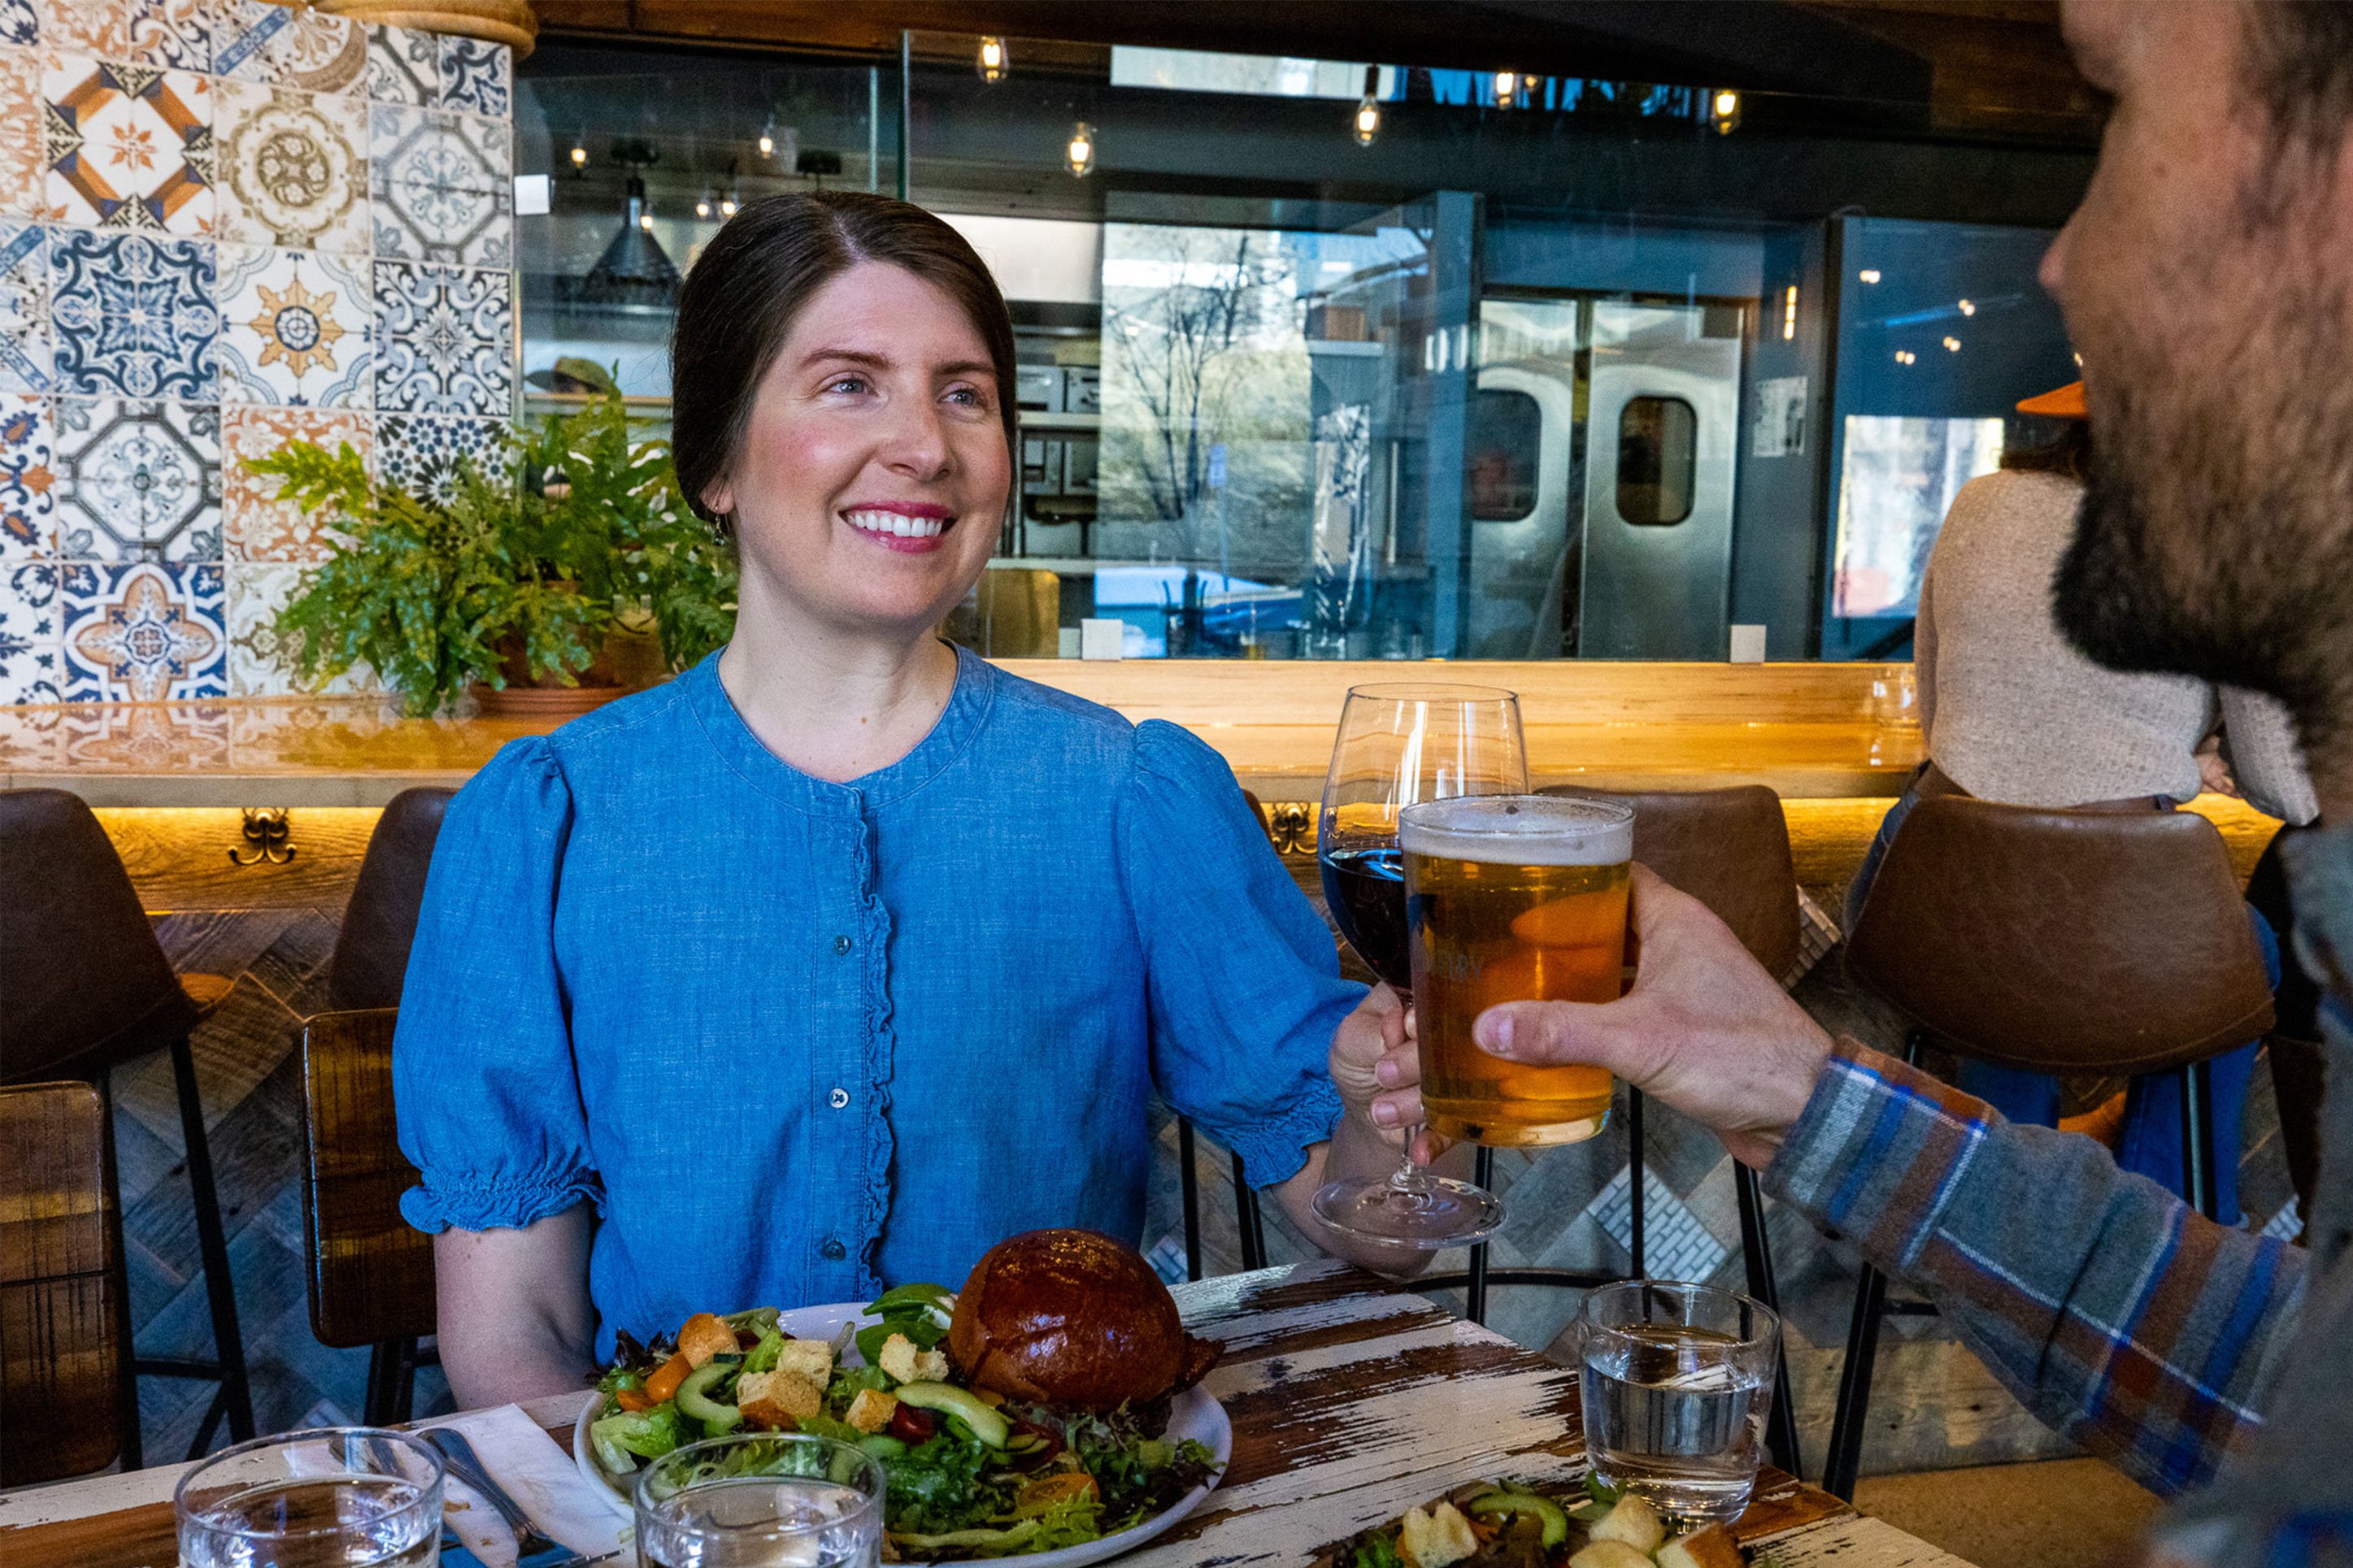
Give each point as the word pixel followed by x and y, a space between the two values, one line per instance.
pixel 873 473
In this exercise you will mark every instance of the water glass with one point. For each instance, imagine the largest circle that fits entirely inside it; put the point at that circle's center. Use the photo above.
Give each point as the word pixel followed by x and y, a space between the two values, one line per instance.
pixel 348 1497
pixel 1677 1382
pixel 761 1500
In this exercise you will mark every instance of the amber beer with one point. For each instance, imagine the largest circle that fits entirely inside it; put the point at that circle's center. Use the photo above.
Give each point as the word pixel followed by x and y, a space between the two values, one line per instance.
pixel 1511 899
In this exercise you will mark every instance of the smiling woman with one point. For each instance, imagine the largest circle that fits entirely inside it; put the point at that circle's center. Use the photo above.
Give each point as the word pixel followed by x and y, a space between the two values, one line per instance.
pixel 939 922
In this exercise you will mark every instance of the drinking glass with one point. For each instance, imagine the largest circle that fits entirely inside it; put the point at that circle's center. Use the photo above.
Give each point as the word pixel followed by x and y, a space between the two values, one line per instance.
pixel 1399 745
pixel 351 1497
pixel 760 1500
pixel 1513 899
pixel 1678 1380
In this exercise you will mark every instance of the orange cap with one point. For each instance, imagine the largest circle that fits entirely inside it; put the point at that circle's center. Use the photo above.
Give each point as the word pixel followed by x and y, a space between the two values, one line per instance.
pixel 2065 403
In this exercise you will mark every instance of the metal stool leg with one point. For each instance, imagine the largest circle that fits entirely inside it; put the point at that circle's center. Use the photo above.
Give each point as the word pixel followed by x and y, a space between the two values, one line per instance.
pixel 1474 1294
pixel 1854 1385
pixel 1757 1253
pixel 1189 1183
pixel 1253 1220
pixel 2197 1137
pixel 1634 1182
pixel 212 1245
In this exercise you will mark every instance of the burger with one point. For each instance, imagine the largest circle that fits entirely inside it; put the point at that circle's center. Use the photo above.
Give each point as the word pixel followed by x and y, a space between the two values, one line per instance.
pixel 1072 1318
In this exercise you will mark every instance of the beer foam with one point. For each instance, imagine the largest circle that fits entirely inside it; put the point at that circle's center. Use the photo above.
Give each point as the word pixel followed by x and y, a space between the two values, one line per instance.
pixel 1520 830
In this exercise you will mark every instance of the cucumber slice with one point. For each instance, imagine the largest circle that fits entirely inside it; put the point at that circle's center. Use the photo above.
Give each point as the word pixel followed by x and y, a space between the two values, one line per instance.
pixel 694 1397
pixel 948 1399
pixel 1554 1517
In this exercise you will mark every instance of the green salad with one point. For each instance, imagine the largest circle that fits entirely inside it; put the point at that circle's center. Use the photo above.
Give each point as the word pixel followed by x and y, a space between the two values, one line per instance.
pixel 969 1474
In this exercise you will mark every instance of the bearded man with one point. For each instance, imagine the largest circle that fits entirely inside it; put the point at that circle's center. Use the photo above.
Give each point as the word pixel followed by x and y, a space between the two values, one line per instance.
pixel 2207 280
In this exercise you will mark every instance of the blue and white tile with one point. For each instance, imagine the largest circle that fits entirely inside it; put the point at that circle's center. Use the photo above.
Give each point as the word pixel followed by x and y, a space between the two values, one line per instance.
pixel 20 22
pixel 418 454
pixel 294 329
pixel 133 315
pixel 30 660
pixel 444 341
pixel 126 146
pixel 29 478
pixel 403 65
pixel 477 76
pixel 144 632
pixel 441 186
pixel 138 481
pixel 255 40
pixel 27 353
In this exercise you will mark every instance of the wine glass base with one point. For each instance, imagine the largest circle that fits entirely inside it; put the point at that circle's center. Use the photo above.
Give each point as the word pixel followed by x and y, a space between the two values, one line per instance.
pixel 1437 1212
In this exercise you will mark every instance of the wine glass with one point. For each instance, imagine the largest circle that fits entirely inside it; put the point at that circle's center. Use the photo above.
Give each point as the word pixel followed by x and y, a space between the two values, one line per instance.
pixel 1399 744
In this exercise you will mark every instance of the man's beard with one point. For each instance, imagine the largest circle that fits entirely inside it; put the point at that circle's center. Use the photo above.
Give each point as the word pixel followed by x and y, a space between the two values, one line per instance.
pixel 2216 535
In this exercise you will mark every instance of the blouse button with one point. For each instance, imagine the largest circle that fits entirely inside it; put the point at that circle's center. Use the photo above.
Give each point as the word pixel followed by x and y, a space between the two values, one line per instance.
pixel 839 1099
pixel 833 1249
pixel 840 944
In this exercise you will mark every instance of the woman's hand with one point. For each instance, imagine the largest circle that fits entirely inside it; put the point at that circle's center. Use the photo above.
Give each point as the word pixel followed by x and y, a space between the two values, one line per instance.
pixel 1376 1066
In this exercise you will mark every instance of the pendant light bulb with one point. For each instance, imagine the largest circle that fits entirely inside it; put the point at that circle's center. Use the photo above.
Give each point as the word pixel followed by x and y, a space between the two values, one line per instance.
pixel 703 205
pixel 1508 88
pixel 768 138
pixel 580 151
pixel 993 60
pixel 1723 110
pixel 1079 152
pixel 1367 123
pixel 727 205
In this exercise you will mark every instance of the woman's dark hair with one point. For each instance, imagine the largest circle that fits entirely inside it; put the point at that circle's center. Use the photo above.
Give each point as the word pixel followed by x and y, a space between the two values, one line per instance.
pixel 742 294
pixel 2069 453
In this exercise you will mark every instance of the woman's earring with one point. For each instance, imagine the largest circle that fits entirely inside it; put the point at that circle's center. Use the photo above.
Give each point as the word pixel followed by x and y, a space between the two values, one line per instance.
pixel 722 526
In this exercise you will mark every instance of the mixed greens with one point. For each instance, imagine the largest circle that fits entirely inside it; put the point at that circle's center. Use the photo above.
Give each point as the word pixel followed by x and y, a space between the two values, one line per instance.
pixel 1515 1524
pixel 968 1473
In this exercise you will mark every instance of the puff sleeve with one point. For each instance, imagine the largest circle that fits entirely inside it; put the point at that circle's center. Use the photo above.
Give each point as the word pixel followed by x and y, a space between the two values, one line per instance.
pixel 1242 980
pixel 483 1078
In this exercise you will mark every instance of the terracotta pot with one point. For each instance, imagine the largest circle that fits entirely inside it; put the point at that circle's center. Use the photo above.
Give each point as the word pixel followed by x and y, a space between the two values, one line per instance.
pixel 508 22
pixel 629 661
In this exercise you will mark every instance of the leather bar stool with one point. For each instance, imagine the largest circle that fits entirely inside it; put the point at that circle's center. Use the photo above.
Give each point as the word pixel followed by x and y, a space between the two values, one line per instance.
pixel 2057 941
pixel 89 989
pixel 65 1387
pixel 365 972
pixel 370 1276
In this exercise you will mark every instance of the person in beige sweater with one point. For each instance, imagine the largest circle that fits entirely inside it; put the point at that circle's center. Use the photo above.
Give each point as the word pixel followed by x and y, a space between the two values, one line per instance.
pixel 2012 712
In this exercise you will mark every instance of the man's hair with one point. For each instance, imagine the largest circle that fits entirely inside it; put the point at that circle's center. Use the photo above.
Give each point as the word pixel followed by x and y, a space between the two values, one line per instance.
pixel 2299 60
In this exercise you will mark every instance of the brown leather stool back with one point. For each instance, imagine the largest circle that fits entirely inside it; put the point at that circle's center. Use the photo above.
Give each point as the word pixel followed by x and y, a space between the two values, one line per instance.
pixel 371 1276
pixel 62 1380
pixel 86 983
pixel 2064 941
pixel 1729 848
pixel 370 957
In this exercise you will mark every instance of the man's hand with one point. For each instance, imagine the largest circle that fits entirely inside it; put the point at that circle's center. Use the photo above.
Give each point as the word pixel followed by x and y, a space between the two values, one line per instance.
pixel 1704 1030
pixel 1376 1066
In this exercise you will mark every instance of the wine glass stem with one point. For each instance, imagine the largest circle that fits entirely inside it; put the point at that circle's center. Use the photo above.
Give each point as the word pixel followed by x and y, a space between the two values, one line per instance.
pixel 1408 1179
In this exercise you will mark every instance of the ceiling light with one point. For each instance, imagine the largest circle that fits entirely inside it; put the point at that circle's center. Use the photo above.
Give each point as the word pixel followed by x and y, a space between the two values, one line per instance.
pixel 646 221
pixel 727 205
pixel 2079 362
pixel 1079 152
pixel 1952 345
pixel 1508 88
pixel 580 151
pixel 702 204
pixel 1723 110
pixel 993 60
pixel 768 138
pixel 1790 313
pixel 1904 356
pixel 1869 275
pixel 1367 124
pixel 1968 309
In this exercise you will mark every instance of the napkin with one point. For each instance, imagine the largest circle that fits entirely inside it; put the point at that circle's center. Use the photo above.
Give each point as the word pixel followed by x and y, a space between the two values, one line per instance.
pixel 539 1475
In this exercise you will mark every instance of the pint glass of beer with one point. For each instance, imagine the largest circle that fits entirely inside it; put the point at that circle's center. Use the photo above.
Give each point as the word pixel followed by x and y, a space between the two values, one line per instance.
pixel 1513 899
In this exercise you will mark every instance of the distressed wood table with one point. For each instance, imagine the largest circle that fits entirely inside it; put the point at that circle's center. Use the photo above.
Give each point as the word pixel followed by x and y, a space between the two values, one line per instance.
pixel 1351 1400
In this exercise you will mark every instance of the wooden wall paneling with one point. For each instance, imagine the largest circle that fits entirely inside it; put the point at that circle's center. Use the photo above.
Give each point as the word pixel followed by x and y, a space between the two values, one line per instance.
pixel 178 856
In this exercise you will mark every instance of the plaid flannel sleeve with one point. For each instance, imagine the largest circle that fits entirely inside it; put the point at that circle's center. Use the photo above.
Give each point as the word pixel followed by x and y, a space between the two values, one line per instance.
pixel 2108 1306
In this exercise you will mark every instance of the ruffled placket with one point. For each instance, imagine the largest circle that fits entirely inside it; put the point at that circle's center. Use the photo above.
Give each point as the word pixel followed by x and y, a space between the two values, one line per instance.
pixel 881 1049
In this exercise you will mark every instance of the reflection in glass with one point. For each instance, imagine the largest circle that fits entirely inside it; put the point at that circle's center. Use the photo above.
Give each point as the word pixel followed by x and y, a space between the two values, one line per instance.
pixel 1657 454
pixel 1900 478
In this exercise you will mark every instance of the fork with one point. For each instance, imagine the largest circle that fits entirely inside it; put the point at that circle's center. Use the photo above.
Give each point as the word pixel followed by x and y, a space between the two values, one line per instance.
pixel 532 1549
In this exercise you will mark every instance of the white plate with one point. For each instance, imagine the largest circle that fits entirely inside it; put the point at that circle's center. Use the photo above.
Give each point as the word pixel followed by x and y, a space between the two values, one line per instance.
pixel 1192 1413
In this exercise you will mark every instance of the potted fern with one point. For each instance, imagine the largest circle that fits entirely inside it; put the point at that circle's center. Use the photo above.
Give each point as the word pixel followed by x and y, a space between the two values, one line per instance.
pixel 532 585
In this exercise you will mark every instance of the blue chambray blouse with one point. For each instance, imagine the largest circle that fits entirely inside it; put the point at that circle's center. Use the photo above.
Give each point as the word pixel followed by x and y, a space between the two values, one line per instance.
pixel 798 1040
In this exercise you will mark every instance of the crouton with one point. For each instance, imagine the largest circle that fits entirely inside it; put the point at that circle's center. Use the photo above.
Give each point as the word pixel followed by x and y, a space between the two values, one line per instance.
pixel 903 1361
pixel 777 1401
pixel 705 1336
pixel 871 1410
pixel 1436 1538
pixel 1633 1522
pixel 812 1359
pixel 1710 1548
pixel 1609 1555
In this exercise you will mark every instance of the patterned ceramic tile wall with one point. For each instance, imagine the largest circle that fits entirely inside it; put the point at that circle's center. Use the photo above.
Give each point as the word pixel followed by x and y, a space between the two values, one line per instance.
pixel 225 224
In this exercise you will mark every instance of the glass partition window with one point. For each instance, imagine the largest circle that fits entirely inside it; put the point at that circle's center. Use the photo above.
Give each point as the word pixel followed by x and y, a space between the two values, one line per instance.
pixel 1333 359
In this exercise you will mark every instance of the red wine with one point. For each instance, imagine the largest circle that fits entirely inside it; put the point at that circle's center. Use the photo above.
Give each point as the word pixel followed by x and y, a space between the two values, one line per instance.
pixel 1364 889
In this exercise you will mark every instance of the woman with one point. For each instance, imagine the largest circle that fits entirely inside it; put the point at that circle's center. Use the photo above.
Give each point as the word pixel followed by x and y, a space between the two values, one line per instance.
pixel 2013 713
pixel 844 955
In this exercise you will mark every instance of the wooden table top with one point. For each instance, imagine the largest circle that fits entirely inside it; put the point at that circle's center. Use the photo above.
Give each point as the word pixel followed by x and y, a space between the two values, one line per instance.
pixel 1352 1400
pixel 1809 730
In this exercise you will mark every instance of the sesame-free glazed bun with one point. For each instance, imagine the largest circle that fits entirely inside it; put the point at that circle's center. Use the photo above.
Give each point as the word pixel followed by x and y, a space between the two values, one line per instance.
pixel 1072 1318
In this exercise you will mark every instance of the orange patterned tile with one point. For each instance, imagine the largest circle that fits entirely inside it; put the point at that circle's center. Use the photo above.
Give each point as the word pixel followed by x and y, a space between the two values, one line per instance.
pixel 24 162
pixel 259 526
